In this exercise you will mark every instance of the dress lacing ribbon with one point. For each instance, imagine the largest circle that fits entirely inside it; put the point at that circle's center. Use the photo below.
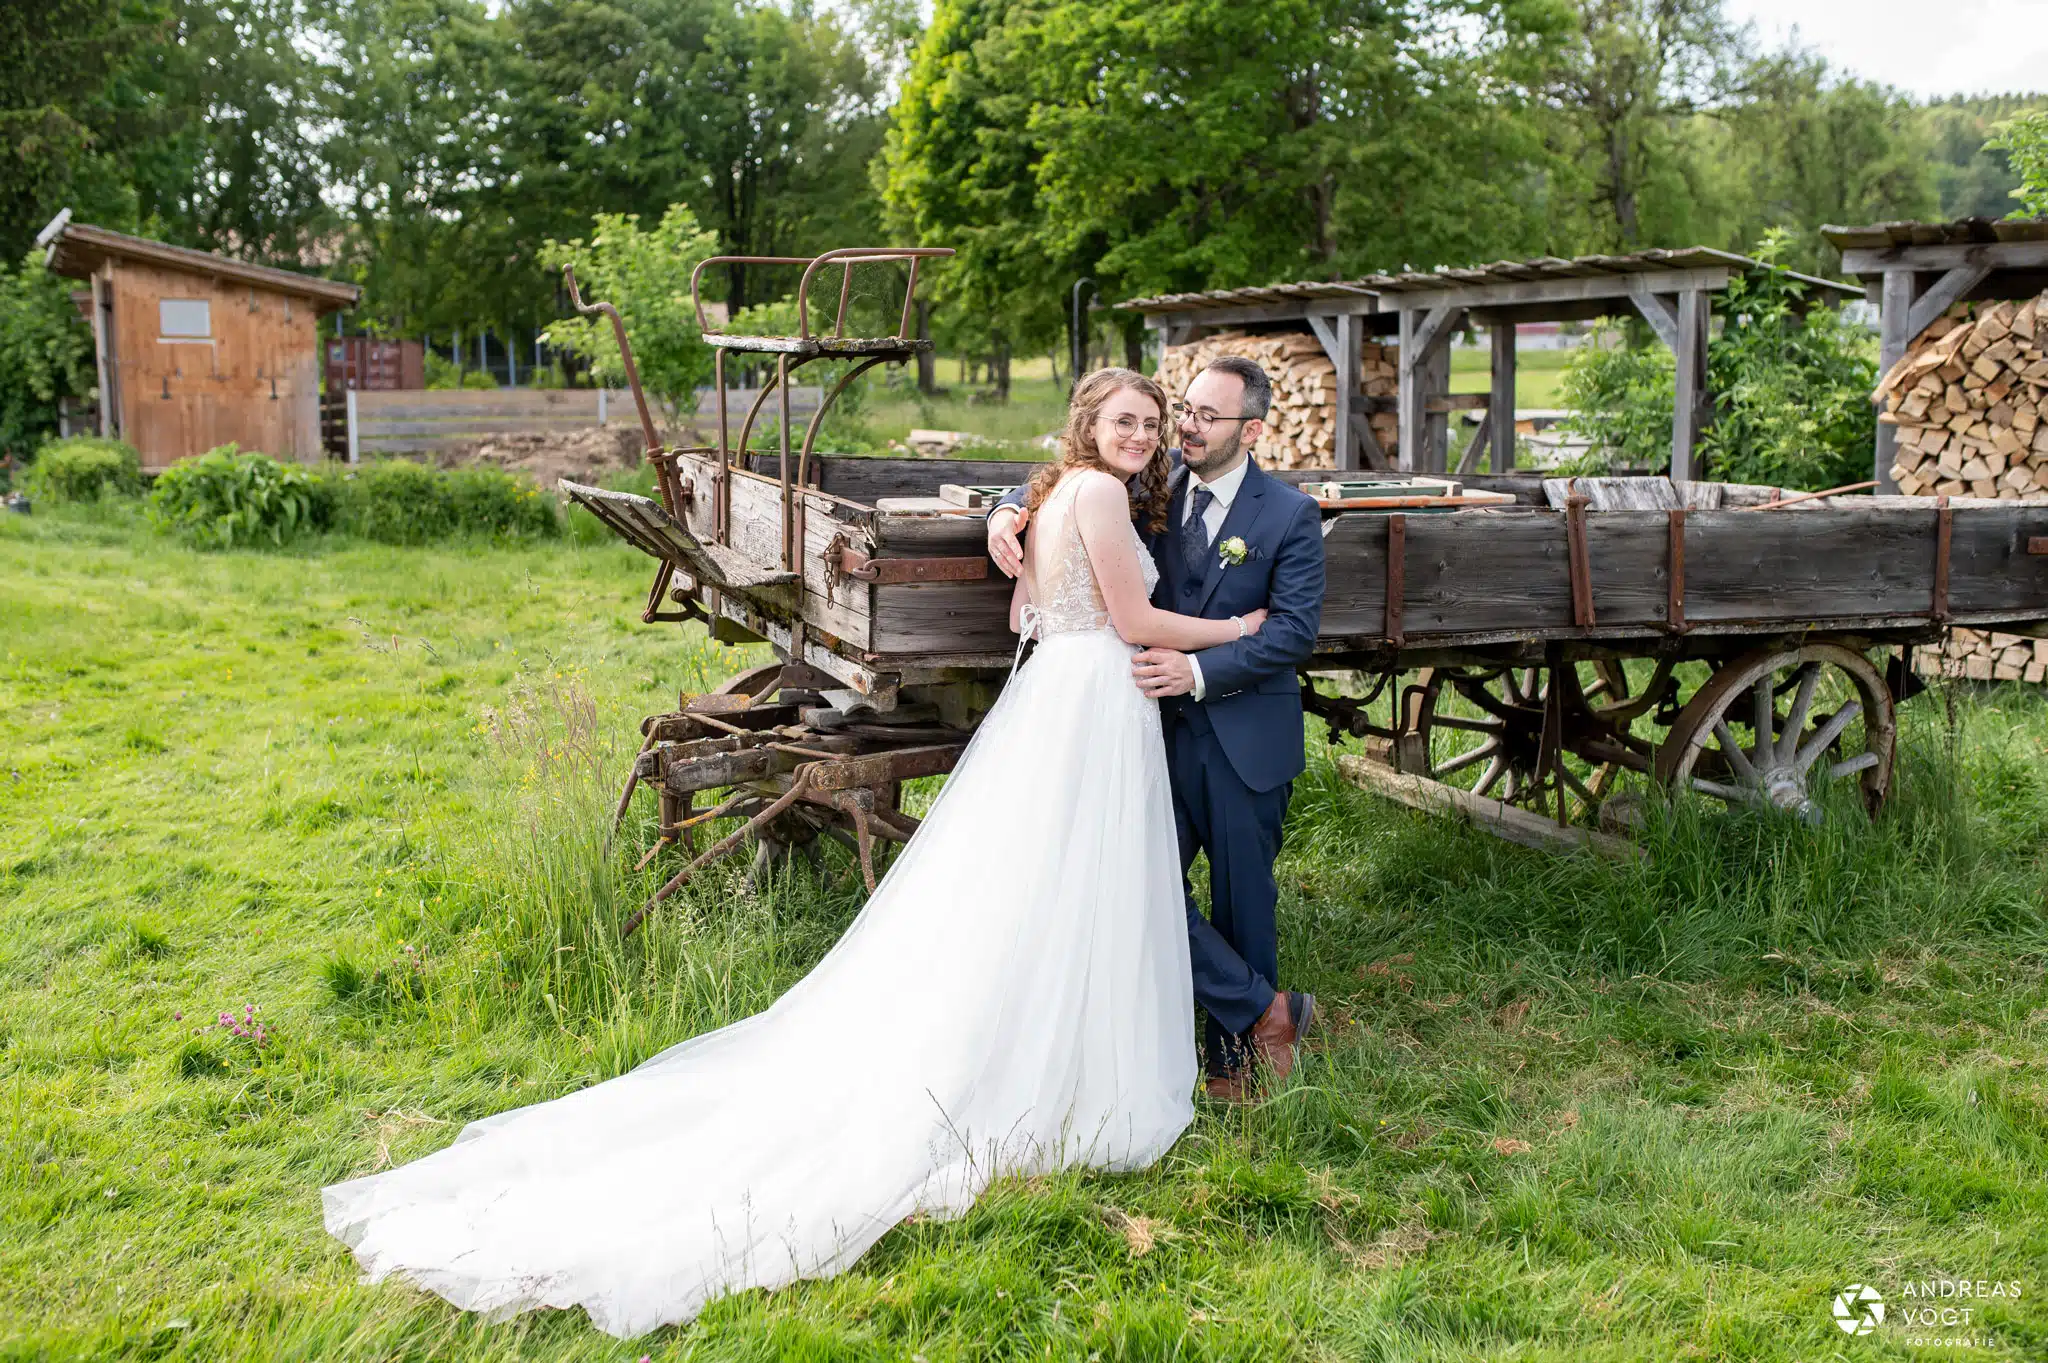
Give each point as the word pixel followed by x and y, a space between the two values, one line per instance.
pixel 1028 622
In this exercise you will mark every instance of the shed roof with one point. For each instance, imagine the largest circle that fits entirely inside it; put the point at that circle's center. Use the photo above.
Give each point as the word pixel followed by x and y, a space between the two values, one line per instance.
pixel 1961 232
pixel 1541 269
pixel 76 249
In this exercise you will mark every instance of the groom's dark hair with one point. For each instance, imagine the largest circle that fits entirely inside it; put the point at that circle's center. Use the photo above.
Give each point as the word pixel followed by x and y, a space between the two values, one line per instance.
pixel 1258 389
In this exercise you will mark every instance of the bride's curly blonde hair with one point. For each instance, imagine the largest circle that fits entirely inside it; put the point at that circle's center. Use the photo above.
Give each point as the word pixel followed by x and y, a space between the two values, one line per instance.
pixel 1148 507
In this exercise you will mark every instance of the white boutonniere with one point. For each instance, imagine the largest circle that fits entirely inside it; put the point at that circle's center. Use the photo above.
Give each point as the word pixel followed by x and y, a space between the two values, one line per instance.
pixel 1232 551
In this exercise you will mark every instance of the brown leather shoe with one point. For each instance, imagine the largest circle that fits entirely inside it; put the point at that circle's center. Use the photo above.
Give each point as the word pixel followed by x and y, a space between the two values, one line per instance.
pixel 1280 1029
pixel 1230 1088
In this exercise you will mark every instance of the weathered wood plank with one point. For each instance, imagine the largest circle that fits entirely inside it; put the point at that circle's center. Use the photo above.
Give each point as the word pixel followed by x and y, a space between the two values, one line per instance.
pixel 2000 255
pixel 943 617
pixel 465 426
pixel 1487 815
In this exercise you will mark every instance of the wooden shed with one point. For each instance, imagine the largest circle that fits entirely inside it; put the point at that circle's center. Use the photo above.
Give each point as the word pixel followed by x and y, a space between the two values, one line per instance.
pixel 1671 289
pixel 195 349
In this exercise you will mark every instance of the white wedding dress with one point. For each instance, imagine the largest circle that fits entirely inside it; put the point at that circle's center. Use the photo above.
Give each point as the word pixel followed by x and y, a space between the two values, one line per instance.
pixel 1014 998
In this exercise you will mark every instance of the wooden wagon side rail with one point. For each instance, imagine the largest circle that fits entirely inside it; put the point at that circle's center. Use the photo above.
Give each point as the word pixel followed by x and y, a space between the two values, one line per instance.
pixel 1476 578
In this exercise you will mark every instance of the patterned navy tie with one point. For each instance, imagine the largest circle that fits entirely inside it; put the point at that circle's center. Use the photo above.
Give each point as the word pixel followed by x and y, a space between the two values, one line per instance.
pixel 1194 534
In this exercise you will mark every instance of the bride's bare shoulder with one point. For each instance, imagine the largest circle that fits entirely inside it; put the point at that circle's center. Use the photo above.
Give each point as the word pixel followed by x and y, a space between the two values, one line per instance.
pixel 1094 487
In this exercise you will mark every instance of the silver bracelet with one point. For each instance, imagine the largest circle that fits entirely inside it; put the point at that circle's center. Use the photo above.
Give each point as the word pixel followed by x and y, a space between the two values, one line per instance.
pixel 1241 630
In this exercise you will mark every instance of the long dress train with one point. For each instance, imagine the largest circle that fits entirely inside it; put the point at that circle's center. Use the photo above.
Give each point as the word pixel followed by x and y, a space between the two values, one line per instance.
pixel 1013 998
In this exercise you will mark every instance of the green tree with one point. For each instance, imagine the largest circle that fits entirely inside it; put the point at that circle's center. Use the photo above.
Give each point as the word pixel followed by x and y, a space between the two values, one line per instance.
pixel 68 110
pixel 1808 147
pixel 1974 180
pixel 762 119
pixel 1168 146
pixel 2024 140
pixel 1630 80
pixel 417 165
pixel 645 274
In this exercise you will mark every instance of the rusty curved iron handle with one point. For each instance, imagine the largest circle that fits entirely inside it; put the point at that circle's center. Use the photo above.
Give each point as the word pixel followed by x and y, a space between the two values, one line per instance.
pixel 625 353
pixel 850 255
pixel 872 255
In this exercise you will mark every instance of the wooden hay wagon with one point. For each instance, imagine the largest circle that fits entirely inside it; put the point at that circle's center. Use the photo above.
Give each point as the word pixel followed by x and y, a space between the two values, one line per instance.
pixel 1505 647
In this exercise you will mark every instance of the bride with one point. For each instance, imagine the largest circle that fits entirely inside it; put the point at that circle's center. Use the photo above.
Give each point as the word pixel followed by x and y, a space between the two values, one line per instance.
pixel 1014 998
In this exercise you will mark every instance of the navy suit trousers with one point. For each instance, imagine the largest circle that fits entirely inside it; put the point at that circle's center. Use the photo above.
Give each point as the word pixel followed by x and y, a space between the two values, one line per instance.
pixel 1235 951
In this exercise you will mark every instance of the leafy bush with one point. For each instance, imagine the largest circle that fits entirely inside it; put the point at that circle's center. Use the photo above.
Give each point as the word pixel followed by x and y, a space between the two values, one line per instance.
pixel 85 468
pixel 1620 397
pixel 225 498
pixel 45 353
pixel 443 374
pixel 1792 393
pixel 396 501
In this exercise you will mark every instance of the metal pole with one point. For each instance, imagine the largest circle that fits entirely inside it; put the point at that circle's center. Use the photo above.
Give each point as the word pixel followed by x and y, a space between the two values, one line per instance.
pixel 1080 356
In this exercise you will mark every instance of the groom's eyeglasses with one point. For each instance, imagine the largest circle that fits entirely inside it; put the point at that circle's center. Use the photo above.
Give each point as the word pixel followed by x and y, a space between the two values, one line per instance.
pixel 1202 420
pixel 1127 426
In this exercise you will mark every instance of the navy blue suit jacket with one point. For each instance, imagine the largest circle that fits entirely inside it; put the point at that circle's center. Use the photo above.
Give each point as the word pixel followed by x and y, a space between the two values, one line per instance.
pixel 1251 696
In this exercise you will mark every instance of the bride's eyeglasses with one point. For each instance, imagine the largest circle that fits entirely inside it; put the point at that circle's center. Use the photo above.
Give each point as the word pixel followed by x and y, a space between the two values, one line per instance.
pixel 1127 426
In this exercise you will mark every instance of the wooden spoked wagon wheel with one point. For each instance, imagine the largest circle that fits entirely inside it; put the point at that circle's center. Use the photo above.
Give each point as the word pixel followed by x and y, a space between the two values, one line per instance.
pixel 1483 729
pixel 1770 727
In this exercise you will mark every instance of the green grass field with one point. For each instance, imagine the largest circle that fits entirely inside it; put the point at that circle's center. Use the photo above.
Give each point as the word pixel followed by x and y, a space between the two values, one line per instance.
pixel 1564 1110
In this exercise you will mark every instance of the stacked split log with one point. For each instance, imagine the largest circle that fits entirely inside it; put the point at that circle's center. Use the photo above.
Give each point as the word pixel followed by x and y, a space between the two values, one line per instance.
pixel 1970 401
pixel 1982 655
pixel 1301 430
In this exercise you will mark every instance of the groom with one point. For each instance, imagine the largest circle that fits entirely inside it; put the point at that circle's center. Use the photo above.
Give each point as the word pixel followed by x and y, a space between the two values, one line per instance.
pixel 1236 540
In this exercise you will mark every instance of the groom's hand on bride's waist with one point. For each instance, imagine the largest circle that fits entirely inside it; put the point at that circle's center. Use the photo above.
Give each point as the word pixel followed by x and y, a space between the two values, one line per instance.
pixel 1163 672
pixel 1005 523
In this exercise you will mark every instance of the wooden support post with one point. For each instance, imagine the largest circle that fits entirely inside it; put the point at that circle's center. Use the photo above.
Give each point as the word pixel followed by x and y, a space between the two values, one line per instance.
pixel 1689 400
pixel 1340 337
pixel 1409 396
pixel 1425 373
pixel 1437 425
pixel 1500 406
pixel 1895 317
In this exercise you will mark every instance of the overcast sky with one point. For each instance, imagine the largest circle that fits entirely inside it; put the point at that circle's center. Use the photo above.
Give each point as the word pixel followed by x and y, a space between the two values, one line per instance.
pixel 1946 48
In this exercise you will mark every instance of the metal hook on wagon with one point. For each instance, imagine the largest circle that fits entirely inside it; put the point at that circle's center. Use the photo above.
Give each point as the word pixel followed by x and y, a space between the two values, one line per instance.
pixel 625 354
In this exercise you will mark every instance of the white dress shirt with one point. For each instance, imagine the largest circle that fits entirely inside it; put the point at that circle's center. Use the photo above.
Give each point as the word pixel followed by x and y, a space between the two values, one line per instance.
pixel 1224 491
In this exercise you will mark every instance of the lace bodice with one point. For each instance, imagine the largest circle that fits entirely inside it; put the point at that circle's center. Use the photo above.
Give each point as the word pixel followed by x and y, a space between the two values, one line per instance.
pixel 1065 597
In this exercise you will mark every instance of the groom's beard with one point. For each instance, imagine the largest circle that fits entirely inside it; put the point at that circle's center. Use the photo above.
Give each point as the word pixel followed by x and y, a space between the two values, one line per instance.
pixel 1201 454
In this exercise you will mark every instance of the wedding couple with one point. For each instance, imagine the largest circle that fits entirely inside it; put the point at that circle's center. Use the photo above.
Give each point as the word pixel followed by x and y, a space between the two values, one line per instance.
pixel 1018 994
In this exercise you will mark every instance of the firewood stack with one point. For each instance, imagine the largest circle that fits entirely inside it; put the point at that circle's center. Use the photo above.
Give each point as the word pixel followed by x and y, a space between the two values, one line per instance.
pixel 1982 655
pixel 1301 429
pixel 1970 401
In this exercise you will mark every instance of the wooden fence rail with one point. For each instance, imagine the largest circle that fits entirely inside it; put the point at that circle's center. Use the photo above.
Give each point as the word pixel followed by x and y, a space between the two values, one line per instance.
pixel 423 421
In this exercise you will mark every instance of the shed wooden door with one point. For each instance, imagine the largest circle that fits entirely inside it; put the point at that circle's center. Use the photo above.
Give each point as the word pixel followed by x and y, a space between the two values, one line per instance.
pixel 204 362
